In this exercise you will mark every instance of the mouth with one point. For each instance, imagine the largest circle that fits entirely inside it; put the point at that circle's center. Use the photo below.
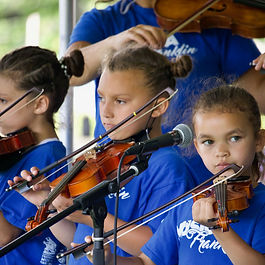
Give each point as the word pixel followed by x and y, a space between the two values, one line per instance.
pixel 108 126
pixel 221 166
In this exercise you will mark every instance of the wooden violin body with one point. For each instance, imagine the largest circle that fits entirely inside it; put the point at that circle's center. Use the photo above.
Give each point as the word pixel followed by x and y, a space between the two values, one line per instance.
pixel 244 20
pixel 13 146
pixel 230 199
pixel 96 165
pixel 16 141
pixel 100 165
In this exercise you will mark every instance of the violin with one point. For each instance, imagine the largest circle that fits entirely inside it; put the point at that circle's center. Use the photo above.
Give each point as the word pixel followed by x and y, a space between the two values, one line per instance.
pixel 14 145
pixel 194 16
pixel 199 191
pixel 231 197
pixel 90 169
pixel 16 141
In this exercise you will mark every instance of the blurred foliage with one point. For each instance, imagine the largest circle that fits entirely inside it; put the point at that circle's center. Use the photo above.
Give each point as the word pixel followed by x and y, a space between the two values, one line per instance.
pixel 14 14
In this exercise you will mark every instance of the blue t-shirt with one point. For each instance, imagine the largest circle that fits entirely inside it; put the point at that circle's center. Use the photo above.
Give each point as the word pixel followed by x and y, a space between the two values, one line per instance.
pixel 41 249
pixel 166 177
pixel 181 241
pixel 214 52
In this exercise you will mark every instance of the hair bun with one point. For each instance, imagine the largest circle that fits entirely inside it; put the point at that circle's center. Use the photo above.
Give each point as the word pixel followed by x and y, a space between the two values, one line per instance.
pixel 182 66
pixel 74 63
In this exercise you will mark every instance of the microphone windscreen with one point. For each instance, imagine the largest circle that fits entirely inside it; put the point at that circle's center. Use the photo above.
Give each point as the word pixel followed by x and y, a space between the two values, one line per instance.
pixel 186 134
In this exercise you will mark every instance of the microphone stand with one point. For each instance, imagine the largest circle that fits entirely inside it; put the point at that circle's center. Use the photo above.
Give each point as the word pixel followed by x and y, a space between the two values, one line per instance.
pixel 91 202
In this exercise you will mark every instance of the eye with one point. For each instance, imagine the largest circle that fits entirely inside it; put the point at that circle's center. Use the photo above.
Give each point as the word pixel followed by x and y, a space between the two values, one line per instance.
pixel 120 101
pixel 207 142
pixel 3 101
pixel 100 98
pixel 235 138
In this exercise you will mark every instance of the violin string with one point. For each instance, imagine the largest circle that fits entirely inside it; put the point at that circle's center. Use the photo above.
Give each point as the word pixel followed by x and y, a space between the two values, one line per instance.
pixel 24 105
pixel 174 206
pixel 54 172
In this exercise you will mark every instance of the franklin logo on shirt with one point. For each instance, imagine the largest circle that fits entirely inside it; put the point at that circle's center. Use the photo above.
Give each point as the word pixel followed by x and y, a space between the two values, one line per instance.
pixel 174 49
pixel 200 236
pixel 49 253
pixel 123 195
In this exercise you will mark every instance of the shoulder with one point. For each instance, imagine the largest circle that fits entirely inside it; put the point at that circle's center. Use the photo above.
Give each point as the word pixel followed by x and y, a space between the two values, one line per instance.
pixel 165 154
pixel 52 149
pixel 43 154
pixel 259 194
pixel 102 13
pixel 166 168
pixel 168 158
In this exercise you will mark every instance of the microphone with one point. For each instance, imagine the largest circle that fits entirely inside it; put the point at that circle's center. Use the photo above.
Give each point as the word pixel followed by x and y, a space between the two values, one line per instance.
pixel 181 135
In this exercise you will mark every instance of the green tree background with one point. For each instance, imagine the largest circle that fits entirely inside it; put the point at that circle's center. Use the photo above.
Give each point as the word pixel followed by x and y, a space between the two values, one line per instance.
pixel 14 14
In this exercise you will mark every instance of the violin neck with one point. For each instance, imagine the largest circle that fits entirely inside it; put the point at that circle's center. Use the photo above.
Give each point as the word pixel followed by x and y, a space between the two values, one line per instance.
pixel 221 197
pixel 65 180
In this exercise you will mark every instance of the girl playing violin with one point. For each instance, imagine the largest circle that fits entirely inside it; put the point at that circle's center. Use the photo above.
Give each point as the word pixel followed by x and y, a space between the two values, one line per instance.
pixel 130 78
pixel 227 128
pixel 20 71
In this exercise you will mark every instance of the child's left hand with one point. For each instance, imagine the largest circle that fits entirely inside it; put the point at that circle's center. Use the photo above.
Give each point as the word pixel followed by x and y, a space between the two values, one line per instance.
pixel 203 210
pixel 259 62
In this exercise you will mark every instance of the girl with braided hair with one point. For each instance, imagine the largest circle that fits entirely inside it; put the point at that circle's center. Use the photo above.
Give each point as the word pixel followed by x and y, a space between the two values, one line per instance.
pixel 20 71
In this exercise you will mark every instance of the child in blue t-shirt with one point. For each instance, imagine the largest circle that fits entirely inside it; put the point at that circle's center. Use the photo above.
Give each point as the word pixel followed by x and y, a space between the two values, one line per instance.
pixel 21 71
pixel 215 52
pixel 130 78
pixel 227 128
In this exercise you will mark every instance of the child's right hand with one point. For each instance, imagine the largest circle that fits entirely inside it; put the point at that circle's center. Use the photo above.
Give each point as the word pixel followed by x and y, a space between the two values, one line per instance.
pixel 259 62
pixel 39 191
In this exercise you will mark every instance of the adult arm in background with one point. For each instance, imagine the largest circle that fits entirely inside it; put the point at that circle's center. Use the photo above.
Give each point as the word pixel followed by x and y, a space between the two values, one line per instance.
pixel 154 37
pixel 254 81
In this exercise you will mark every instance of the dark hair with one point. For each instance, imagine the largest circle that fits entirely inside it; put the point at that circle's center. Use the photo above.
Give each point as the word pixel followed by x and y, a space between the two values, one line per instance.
pixel 229 98
pixel 159 72
pixel 33 66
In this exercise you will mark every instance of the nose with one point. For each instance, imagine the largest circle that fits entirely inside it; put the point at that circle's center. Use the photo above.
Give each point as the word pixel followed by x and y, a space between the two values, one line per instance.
pixel 222 150
pixel 106 109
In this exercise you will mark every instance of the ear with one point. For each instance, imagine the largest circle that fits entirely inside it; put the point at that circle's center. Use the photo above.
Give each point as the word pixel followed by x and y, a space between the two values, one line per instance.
pixel 162 108
pixel 41 104
pixel 195 144
pixel 260 141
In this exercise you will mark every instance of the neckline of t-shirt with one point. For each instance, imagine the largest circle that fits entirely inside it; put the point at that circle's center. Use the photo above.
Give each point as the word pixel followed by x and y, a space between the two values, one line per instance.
pixel 143 9
pixel 48 140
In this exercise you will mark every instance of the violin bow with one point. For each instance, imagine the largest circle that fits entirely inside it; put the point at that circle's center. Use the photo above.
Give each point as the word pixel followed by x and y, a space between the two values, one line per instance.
pixel 79 252
pixel 19 99
pixel 193 16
